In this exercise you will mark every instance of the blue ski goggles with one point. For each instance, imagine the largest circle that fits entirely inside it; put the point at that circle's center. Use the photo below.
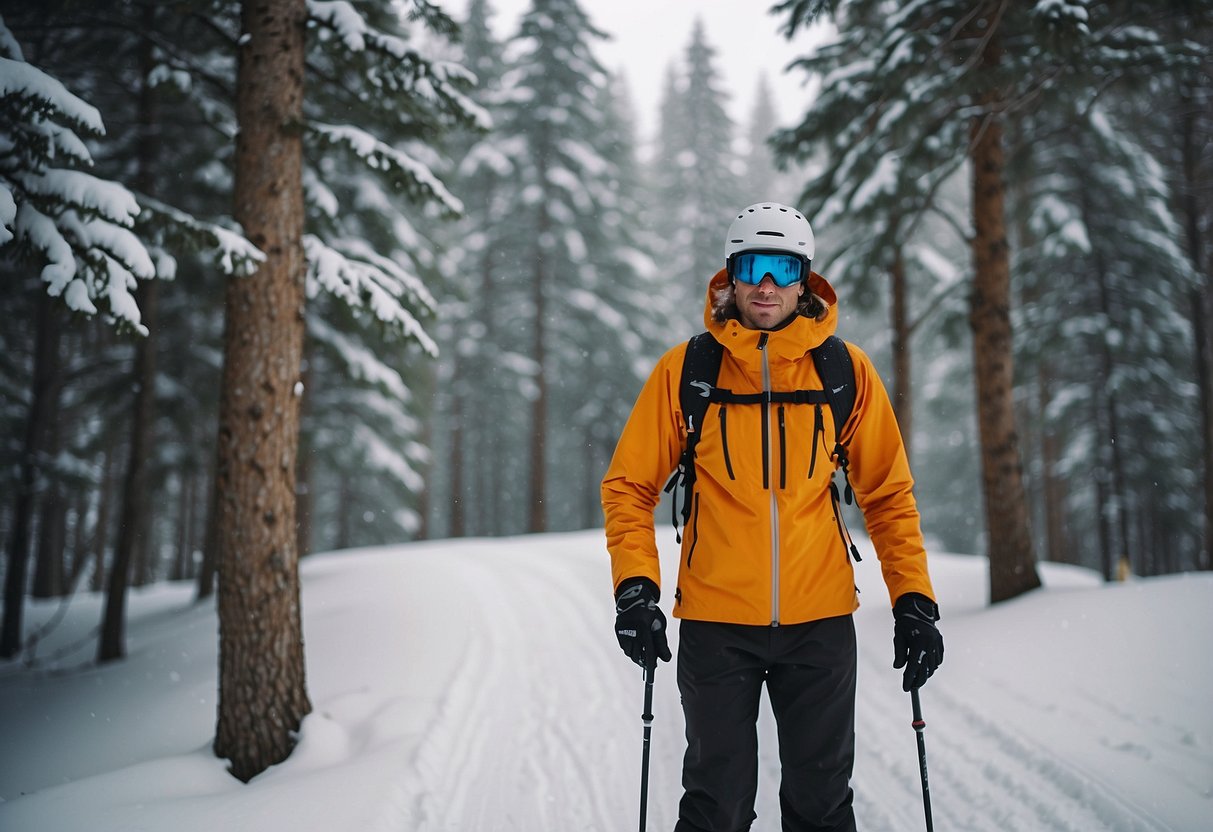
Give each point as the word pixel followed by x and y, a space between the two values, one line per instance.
pixel 752 266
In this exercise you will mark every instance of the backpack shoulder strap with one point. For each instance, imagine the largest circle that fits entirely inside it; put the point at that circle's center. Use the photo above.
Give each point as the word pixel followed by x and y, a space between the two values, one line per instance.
pixel 700 369
pixel 837 371
pixel 834 365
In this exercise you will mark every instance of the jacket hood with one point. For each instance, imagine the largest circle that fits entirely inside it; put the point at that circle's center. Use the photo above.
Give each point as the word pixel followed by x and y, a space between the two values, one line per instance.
pixel 802 334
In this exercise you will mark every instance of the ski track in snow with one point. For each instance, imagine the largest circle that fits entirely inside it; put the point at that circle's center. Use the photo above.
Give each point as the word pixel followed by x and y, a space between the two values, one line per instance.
pixel 553 741
pixel 510 748
pixel 983 775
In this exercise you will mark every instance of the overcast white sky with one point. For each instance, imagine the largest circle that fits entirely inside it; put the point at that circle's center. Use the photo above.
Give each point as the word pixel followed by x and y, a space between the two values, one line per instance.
pixel 648 34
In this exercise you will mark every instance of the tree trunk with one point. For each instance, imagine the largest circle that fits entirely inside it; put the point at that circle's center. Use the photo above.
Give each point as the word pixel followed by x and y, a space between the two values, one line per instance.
pixel 458 525
pixel 345 508
pixel 903 402
pixel 210 540
pixel 101 529
pixel 1009 539
pixel 134 519
pixel 49 578
pixel 1119 497
pixel 537 518
pixel 79 548
pixel 1202 310
pixel 1057 547
pixel 185 519
pixel 1107 563
pixel 1192 143
pixel 43 404
pixel 262 690
pixel 487 519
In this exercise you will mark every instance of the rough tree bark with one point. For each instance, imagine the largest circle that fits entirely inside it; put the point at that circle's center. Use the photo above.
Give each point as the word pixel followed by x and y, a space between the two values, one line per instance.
pixel 1009 539
pixel 262 691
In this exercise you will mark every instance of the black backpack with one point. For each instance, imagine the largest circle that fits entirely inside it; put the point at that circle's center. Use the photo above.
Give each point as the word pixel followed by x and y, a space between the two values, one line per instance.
pixel 700 371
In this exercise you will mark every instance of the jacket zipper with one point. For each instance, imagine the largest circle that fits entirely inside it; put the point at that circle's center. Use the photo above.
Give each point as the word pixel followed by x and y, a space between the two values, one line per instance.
pixel 766 467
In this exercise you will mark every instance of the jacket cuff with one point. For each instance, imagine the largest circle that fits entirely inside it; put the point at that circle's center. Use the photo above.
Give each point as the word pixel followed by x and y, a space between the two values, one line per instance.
pixel 650 588
pixel 917 602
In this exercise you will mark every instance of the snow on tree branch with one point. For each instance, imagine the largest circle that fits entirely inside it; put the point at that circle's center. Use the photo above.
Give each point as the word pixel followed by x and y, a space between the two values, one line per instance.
pixel 227 249
pixel 360 362
pixel 396 67
pixel 43 96
pixel 405 172
pixel 369 281
pixel 77 225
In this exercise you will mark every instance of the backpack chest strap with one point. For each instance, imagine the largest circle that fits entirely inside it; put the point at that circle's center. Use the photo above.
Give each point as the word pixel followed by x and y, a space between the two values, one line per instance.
pixel 722 395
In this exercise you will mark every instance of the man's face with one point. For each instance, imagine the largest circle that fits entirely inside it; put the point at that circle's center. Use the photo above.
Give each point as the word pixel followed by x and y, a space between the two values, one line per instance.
pixel 766 305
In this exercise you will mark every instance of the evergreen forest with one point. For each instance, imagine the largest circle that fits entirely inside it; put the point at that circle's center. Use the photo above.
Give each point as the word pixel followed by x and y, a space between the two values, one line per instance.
pixel 478 258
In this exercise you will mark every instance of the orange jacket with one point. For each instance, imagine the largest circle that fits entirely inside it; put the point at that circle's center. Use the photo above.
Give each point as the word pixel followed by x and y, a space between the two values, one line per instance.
pixel 753 555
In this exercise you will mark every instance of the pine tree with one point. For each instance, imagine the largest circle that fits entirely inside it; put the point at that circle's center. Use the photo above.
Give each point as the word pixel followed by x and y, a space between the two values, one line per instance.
pixel 477 368
pixel 91 235
pixel 374 189
pixel 696 180
pixel 761 180
pixel 917 91
pixel 405 99
pixel 615 331
pixel 556 191
pixel 262 692
pixel 1088 235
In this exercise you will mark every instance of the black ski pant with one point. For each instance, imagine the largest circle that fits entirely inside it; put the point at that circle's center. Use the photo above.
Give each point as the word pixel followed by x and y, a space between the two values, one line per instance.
pixel 809 671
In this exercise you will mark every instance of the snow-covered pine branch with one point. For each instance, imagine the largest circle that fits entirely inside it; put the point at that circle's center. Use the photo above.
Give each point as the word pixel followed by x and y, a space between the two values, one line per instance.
pixel 365 280
pixel 77 225
pixel 359 362
pixel 392 67
pixel 176 230
pixel 403 171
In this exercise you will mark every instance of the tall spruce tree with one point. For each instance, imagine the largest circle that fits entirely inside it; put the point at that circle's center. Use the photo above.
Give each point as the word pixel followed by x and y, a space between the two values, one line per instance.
pixel 696 181
pixel 616 331
pixel 922 89
pixel 761 180
pixel 404 98
pixel 559 186
pixel 481 366
pixel 89 254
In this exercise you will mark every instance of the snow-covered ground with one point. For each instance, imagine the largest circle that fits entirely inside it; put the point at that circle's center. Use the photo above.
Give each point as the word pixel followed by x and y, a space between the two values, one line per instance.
pixel 475 685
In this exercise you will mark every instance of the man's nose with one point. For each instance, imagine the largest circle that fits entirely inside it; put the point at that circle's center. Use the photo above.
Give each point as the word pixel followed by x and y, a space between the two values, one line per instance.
pixel 767 282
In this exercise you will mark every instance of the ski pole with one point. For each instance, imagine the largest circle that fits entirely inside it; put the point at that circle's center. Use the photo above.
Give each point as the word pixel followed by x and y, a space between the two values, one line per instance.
pixel 918 725
pixel 647 716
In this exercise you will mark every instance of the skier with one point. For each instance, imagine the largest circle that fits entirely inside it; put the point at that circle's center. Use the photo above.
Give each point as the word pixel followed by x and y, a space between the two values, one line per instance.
pixel 766 589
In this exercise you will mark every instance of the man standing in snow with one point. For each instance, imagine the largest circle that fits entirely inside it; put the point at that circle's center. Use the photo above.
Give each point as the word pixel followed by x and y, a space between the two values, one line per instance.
pixel 766 587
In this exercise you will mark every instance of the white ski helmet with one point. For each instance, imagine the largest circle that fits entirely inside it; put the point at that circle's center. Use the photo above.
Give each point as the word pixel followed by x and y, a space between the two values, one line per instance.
pixel 769 226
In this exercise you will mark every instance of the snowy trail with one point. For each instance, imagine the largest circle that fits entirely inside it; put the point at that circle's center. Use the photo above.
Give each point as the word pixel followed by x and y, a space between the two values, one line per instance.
pixel 475 686
pixel 542 728
pixel 527 738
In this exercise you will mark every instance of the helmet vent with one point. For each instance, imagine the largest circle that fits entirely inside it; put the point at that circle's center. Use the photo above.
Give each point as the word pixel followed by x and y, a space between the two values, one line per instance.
pixel 769 233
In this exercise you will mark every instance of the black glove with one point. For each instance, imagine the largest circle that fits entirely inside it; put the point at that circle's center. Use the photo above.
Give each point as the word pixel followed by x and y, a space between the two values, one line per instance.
pixel 917 644
pixel 639 622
